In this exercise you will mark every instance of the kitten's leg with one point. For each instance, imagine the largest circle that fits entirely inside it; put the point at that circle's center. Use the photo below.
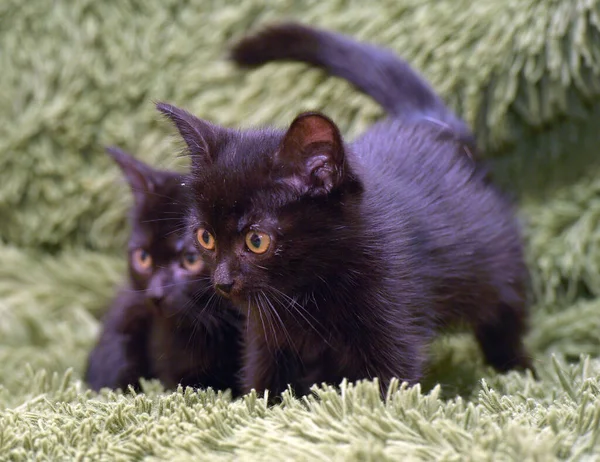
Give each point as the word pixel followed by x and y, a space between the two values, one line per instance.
pixel 501 339
pixel 219 363
pixel 111 366
pixel 402 356
pixel 120 357
pixel 260 369
pixel 404 372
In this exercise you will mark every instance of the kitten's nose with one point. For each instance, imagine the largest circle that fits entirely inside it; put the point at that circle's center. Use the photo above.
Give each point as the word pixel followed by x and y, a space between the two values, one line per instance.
pixel 157 297
pixel 225 288
pixel 156 294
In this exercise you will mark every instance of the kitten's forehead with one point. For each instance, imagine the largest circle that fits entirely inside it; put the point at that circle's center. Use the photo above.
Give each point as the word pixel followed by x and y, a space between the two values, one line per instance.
pixel 240 178
pixel 161 214
pixel 239 211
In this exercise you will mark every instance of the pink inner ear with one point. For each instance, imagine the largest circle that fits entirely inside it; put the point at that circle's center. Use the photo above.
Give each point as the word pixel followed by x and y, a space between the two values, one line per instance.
pixel 309 129
pixel 311 156
pixel 316 130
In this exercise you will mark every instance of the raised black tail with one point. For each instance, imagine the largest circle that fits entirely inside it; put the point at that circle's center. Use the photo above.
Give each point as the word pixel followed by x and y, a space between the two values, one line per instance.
pixel 376 71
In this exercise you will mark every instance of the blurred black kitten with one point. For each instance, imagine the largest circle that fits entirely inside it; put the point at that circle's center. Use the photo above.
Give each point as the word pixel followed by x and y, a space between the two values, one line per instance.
pixel 167 322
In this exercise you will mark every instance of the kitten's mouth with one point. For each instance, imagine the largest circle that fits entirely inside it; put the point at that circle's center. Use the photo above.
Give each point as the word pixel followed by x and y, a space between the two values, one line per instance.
pixel 235 299
pixel 227 291
pixel 156 307
pixel 223 294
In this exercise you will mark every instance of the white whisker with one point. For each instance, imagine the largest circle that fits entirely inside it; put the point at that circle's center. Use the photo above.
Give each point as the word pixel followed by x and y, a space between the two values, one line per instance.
pixel 258 308
pixel 302 311
pixel 283 327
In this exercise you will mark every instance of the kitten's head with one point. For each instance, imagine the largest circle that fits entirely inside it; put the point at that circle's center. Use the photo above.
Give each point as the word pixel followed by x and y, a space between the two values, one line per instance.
pixel 164 263
pixel 269 207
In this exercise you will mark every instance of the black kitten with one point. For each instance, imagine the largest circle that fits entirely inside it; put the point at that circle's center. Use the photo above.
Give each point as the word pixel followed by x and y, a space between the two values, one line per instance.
pixel 348 258
pixel 167 323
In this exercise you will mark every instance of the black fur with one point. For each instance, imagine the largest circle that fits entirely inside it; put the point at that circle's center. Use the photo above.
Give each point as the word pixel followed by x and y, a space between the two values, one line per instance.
pixel 374 245
pixel 167 322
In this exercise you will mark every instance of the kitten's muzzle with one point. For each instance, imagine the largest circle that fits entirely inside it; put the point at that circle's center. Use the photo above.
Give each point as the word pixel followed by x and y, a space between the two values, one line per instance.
pixel 224 279
pixel 156 292
pixel 157 299
pixel 225 289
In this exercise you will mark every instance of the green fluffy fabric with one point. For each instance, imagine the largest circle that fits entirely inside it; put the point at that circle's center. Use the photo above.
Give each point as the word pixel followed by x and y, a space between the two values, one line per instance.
pixel 76 76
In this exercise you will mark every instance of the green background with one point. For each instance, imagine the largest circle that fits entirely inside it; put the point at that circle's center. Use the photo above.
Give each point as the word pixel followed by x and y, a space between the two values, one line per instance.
pixel 76 75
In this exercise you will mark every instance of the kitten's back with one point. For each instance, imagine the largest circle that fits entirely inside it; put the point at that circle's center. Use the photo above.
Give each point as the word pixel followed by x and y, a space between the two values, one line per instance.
pixel 464 224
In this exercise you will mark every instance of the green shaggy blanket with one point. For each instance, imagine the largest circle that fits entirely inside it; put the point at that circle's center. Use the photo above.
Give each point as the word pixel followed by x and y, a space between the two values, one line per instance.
pixel 76 75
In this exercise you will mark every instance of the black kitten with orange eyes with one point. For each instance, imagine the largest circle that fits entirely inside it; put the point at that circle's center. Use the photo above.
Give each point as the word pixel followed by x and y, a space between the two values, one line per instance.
pixel 347 258
pixel 167 323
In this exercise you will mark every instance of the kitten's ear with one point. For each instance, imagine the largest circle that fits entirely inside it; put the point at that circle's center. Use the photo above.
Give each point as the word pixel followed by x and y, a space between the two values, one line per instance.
pixel 311 156
pixel 139 175
pixel 200 136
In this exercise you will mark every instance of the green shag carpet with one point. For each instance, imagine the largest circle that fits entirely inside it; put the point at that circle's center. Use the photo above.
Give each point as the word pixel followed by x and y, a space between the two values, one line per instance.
pixel 76 75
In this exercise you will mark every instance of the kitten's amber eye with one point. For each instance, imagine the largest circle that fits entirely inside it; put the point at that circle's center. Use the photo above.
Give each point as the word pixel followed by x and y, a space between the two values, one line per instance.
pixel 141 260
pixel 205 239
pixel 191 261
pixel 257 242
